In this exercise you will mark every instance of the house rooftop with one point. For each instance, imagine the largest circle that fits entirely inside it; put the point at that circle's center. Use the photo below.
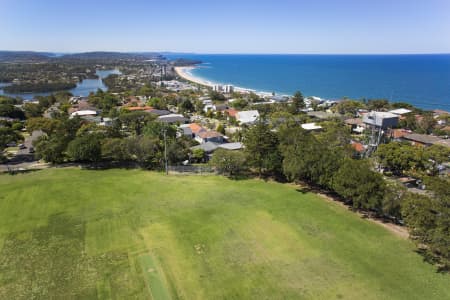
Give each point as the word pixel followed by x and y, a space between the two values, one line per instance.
pixel 311 126
pixel 247 116
pixel 172 118
pixel 207 147
pixel 232 146
pixel 84 113
pixel 209 134
pixel 196 128
pixel 138 108
pixel 400 111
pixel 426 139
pixel 354 121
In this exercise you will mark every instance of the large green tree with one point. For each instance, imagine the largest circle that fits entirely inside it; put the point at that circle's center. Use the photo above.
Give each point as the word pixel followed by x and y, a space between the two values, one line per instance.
pixel 359 185
pixel 261 147
pixel 428 220
pixel 298 102
pixel 229 162
pixel 86 148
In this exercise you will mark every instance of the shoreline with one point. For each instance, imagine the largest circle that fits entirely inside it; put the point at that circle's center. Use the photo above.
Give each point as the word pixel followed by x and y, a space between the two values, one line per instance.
pixel 184 72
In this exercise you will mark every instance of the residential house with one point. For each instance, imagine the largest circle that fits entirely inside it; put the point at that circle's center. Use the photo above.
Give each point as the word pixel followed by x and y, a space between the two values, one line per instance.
pixel 425 140
pixel 173 118
pixel 381 119
pixel 209 136
pixel 247 117
pixel 355 124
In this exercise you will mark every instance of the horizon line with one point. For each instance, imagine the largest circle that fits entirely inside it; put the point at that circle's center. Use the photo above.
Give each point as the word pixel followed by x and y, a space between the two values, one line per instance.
pixel 224 53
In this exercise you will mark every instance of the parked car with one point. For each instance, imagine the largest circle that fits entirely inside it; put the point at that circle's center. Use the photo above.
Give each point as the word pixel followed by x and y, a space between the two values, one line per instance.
pixel 31 150
pixel 22 146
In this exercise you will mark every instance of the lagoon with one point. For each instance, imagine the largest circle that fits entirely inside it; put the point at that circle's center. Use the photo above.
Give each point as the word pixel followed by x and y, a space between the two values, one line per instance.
pixel 83 88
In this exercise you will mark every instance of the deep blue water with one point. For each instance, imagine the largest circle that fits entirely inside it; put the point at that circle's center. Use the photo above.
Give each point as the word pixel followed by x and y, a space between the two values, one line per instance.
pixel 422 80
pixel 83 88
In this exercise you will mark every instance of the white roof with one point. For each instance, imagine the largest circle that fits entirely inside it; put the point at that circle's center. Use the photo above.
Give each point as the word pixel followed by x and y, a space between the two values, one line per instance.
pixel 247 116
pixel 400 111
pixel 170 116
pixel 382 114
pixel 311 126
pixel 84 113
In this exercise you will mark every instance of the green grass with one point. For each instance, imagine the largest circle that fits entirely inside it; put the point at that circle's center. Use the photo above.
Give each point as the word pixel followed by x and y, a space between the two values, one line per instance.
pixel 117 234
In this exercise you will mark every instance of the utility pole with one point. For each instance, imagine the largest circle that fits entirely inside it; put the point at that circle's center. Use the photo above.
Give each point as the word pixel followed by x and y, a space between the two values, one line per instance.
pixel 165 150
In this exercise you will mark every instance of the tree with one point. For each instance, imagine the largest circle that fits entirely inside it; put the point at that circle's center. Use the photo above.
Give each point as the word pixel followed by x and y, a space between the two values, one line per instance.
pixel 47 125
pixel 348 107
pixel 50 149
pixel 393 199
pixel 261 147
pixel 220 128
pixel 229 162
pixel 306 158
pixel 400 158
pixel 145 151
pixel 298 102
pixel 157 103
pixel 198 155
pixel 434 156
pixel 186 106
pixel 359 185
pixel 114 149
pixel 32 110
pixel 86 148
pixel 8 135
pixel 216 96
pixel 10 111
pixel 239 103
pixel 136 120
pixel 378 104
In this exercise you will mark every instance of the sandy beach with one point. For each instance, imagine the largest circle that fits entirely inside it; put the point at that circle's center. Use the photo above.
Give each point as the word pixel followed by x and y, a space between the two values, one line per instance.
pixel 184 72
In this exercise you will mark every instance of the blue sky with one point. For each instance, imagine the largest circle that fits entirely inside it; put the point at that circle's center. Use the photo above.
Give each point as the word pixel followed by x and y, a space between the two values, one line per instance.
pixel 232 26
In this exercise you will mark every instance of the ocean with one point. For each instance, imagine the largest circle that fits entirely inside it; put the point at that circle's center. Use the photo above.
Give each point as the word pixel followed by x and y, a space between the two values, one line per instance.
pixel 421 80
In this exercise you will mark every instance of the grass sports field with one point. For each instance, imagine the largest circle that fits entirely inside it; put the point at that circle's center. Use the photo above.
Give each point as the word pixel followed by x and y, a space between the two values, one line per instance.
pixel 121 234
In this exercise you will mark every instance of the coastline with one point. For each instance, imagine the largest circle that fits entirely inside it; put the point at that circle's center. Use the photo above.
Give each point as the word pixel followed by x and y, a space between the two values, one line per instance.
pixel 184 72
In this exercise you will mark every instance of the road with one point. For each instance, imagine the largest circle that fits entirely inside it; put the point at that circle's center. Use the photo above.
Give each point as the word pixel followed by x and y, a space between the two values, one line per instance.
pixel 23 159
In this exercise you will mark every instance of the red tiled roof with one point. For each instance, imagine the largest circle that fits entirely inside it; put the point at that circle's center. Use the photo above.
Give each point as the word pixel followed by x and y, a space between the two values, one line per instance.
pixel 195 128
pixel 209 134
pixel 137 108
pixel 231 112
pixel 358 147
pixel 398 133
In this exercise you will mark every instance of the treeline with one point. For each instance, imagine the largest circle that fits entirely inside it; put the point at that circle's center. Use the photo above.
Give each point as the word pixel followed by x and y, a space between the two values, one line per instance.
pixel 325 160
pixel 39 87
pixel 134 137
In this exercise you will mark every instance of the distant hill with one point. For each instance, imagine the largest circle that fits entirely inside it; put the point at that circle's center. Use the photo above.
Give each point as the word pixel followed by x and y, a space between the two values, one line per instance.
pixel 31 56
pixel 112 55
pixel 15 56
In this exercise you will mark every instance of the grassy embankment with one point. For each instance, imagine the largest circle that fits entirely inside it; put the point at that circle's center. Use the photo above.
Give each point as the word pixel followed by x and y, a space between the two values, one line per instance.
pixel 133 234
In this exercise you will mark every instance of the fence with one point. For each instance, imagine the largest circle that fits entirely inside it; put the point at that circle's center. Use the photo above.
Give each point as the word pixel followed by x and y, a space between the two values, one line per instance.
pixel 192 169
